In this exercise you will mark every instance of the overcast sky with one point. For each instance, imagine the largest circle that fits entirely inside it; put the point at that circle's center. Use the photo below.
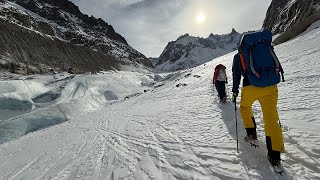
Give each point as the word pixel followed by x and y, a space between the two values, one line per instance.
pixel 148 25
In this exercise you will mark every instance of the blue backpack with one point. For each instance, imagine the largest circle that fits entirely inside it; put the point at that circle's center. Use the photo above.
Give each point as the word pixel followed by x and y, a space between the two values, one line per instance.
pixel 259 60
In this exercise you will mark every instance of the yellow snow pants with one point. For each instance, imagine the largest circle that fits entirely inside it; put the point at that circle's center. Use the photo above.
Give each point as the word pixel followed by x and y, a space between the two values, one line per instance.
pixel 268 99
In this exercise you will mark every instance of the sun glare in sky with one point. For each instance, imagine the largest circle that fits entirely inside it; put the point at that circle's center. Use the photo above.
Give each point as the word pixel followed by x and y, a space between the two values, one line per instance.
pixel 200 18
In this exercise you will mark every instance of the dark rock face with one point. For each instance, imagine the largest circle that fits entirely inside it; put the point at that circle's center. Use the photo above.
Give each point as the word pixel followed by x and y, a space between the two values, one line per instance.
pixel 297 29
pixel 39 54
pixel 188 51
pixel 285 14
pixel 64 12
pixel 77 40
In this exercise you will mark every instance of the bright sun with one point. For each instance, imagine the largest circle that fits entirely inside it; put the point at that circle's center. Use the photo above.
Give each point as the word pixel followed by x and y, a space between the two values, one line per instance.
pixel 200 18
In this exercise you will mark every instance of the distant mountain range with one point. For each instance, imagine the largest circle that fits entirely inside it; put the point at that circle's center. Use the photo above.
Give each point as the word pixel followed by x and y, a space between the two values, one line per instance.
pixel 43 34
pixel 188 51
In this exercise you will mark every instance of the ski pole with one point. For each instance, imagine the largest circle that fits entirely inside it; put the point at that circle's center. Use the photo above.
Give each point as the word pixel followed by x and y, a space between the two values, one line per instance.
pixel 235 112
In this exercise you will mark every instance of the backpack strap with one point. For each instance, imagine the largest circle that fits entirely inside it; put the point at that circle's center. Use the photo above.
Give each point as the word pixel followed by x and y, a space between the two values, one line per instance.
pixel 275 58
pixel 243 62
pixel 278 65
pixel 251 65
pixel 261 41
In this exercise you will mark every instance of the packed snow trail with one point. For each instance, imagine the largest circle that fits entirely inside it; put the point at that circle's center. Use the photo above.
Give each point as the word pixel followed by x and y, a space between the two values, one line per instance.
pixel 178 130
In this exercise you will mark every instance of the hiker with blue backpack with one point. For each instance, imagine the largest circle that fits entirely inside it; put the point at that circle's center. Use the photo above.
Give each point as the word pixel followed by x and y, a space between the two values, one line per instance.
pixel 257 62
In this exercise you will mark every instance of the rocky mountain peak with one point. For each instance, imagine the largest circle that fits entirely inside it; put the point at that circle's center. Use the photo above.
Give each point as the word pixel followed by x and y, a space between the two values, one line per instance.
pixel 284 14
pixel 189 51
pixel 183 36
pixel 233 31
pixel 289 18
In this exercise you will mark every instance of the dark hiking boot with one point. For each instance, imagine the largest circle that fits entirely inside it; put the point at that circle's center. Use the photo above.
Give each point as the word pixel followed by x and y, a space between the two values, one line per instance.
pixel 251 140
pixel 274 158
pixel 252 133
pixel 251 137
pixel 224 100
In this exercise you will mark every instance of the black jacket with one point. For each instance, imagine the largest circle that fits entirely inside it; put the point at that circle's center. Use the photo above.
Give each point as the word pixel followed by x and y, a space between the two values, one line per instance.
pixel 237 72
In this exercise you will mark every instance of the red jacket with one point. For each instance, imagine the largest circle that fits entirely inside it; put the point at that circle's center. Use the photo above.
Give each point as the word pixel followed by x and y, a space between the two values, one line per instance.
pixel 216 71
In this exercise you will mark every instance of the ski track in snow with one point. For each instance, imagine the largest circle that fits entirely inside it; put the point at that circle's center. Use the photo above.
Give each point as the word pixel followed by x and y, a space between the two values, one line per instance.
pixel 178 132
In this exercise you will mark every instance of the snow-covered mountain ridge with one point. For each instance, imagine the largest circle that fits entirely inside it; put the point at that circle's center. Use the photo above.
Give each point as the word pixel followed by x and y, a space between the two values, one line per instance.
pixel 108 127
pixel 291 17
pixel 284 14
pixel 188 51
pixel 62 20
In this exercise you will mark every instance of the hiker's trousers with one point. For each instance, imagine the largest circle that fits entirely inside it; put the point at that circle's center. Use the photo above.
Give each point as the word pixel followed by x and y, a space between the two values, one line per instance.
pixel 268 99
pixel 221 88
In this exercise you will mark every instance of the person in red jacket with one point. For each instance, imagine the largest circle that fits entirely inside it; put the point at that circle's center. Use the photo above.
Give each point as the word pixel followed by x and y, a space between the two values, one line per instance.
pixel 219 80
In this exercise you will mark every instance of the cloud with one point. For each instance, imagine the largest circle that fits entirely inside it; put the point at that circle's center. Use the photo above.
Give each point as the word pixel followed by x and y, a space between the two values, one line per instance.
pixel 148 25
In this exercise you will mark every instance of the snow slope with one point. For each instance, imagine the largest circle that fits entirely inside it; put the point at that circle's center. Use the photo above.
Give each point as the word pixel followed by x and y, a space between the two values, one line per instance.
pixel 177 129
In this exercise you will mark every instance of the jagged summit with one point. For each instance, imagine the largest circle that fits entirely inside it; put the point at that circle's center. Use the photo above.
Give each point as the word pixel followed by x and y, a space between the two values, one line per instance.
pixel 233 31
pixel 189 51
pixel 183 36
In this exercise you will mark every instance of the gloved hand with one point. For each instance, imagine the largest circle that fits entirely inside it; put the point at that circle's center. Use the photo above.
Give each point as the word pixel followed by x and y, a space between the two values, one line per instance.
pixel 234 97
